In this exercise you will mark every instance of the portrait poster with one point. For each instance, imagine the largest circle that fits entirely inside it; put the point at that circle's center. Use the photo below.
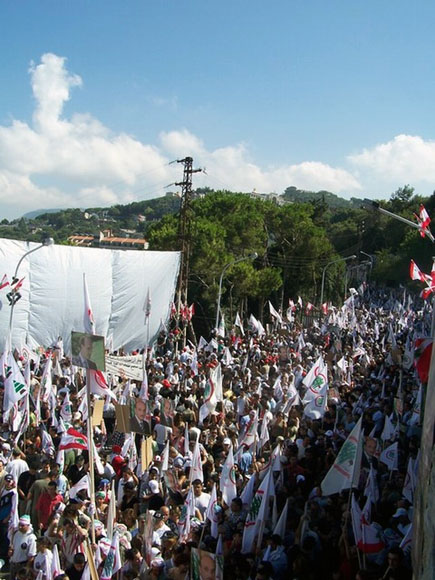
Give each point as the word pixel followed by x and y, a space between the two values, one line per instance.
pixel 88 351
pixel 203 565
pixel 139 416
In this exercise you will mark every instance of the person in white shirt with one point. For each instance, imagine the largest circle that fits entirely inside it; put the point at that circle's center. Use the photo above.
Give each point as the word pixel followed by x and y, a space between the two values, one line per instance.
pixel 43 558
pixel 159 528
pixel 200 498
pixel 23 546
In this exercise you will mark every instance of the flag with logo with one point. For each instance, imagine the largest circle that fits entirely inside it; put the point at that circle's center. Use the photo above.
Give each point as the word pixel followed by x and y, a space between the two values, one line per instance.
pixel 112 562
pixel 227 481
pixel 15 385
pixel 316 407
pixel 252 521
pixel 315 380
pixel 390 456
pixel 98 384
pixel 73 439
pixel 344 473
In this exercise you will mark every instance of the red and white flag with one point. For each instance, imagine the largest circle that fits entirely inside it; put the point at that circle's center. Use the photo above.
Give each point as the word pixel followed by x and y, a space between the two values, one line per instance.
pixel 98 384
pixel 416 274
pixel 368 536
pixel 308 307
pixel 4 282
pixel 88 318
pixel 73 439
pixel 423 220
pixel 325 308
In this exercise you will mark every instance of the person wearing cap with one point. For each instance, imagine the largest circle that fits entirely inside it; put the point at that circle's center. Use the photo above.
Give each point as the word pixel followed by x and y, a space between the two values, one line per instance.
pixel 152 498
pixel 8 503
pixel 401 515
pixel 23 546
pixel 159 528
pixel 101 506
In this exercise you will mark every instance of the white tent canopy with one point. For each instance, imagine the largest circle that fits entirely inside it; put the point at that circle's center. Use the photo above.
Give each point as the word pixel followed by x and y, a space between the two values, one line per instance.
pixel 52 302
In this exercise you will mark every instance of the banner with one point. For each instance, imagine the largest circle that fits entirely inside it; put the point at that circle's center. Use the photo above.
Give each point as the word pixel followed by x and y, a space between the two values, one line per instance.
pixel 129 367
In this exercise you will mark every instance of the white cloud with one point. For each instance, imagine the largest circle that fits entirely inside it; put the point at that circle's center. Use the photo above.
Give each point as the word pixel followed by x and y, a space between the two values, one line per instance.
pixel 87 164
pixel 404 159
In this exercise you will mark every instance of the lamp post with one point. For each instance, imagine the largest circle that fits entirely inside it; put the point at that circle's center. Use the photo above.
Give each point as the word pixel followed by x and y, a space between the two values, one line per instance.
pixel 218 309
pixel 324 272
pixel 46 242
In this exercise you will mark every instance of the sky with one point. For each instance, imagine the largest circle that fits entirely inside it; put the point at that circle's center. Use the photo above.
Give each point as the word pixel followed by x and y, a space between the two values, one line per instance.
pixel 99 98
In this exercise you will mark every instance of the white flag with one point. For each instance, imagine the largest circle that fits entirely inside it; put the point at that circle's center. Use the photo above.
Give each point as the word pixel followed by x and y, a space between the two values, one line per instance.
pixel 274 313
pixel 389 430
pixel 316 407
pixel 282 522
pixel 252 522
pixel 15 385
pixel 88 317
pixel 410 480
pixel 238 322
pixel 390 456
pixel 227 481
pixel 316 380
pixel 196 466
pixel 211 514
pixel 344 473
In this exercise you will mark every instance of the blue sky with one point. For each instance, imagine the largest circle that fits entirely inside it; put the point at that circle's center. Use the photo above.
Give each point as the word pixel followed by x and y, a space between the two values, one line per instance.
pixel 98 97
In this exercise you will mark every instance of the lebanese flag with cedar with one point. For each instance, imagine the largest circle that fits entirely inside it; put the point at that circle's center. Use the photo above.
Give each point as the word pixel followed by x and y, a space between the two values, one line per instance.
pixel 73 439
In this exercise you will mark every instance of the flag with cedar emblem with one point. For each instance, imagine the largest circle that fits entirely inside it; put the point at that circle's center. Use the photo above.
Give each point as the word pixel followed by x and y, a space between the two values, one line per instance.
pixel 73 439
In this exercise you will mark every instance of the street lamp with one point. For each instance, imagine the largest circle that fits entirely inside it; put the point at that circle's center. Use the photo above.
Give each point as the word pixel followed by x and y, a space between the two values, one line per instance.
pixel 324 272
pixel 250 257
pixel 14 300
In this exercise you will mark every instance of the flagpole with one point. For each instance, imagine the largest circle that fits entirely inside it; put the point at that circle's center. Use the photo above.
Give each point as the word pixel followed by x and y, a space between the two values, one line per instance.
pixel 91 453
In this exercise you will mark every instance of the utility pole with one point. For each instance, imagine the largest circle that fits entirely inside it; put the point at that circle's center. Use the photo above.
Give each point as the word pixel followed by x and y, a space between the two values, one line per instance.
pixel 185 232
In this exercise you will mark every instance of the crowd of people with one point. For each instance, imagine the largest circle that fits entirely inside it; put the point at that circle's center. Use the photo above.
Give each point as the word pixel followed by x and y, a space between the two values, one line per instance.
pixel 228 483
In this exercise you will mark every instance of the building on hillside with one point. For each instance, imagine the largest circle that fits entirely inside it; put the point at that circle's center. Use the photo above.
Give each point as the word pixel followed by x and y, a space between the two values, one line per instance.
pixel 273 197
pixel 106 239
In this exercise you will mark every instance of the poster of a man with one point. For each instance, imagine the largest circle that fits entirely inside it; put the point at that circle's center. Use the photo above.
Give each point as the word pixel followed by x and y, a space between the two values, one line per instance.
pixel 203 565
pixel 138 417
pixel 87 351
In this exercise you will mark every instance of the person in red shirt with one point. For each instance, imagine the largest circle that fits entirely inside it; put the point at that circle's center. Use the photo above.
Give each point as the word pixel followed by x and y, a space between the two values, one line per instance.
pixel 47 502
